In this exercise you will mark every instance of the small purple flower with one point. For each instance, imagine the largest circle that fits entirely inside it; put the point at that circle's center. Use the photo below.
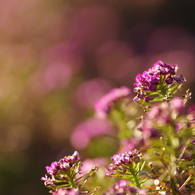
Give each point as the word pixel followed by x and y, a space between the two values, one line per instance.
pixel 159 78
pixel 122 160
pixel 147 81
pixel 59 169
pixel 104 104
pixel 164 69
pixel 137 98
pixel 48 181
pixel 147 99
pixel 123 188
pixel 169 80
pixel 66 192
pixel 126 157
pixel 63 165
pixel 193 140
pixel 75 156
pixel 162 114
pixel 111 170
pixel 179 79
pixel 52 170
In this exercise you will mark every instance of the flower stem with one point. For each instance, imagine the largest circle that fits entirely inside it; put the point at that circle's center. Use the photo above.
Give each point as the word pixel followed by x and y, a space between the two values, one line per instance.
pixel 71 181
pixel 173 187
pixel 135 178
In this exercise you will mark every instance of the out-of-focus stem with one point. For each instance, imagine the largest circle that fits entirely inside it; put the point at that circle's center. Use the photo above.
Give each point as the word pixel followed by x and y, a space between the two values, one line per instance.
pixel 173 187
pixel 71 180
pixel 183 185
pixel 136 180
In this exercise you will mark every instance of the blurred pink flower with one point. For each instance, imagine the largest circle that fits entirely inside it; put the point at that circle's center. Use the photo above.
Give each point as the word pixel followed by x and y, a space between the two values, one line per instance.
pixel 94 25
pixel 90 91
pixel 52 77
pixel 58 64
pixel 115 59
pixel 106 102
pixel 130 144
pixel 56 76
pixel 62 191
pixel 177 104
pixel 87 130
pixel 66 53
pixel 164 38
pixel 89 164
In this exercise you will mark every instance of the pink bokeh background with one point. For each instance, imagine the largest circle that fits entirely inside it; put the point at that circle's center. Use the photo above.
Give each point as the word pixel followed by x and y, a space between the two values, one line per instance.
pixel 58 57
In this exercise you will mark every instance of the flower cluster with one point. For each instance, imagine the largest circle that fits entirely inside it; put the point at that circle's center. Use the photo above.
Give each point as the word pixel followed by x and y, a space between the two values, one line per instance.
pixel 128 163
pixel 64 171
pixel 161 115
pixel 161 78
pixel 66 192
pixel 164 134
pixel 104 104
pixel 89 129
pixel 123 188
pixel 126 158
pixel 167 115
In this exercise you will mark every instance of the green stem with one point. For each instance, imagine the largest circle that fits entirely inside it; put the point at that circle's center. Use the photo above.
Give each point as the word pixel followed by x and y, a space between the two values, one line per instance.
pixel 173 187
pixel 162 85
pixel 183 150
pixel 136 180
pixel 119 118
pixel 71 181
pixel 175 88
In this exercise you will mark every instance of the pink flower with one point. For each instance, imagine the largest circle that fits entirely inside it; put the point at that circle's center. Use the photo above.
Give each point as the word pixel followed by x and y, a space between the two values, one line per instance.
pixel 66 192
pixel 89 129
pixel 105 103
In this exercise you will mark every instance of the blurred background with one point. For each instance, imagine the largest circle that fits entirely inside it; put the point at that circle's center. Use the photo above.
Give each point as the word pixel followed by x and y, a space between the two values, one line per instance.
pixel 58 57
